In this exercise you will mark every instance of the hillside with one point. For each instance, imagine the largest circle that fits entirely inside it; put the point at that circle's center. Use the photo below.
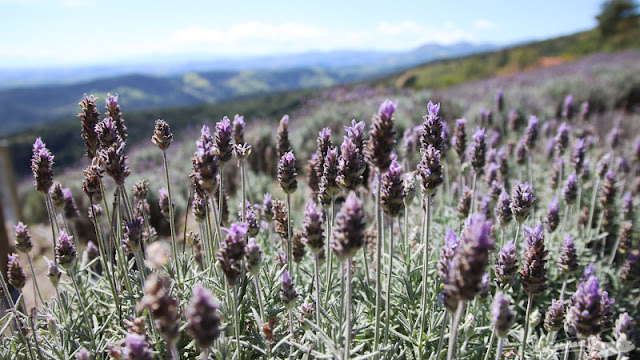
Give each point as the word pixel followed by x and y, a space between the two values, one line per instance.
pixel 163 85
pixel 444 73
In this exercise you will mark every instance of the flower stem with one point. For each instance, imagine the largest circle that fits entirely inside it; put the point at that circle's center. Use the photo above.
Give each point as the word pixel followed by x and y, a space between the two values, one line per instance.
pixel 593 204
pixel 441 341
pixel 389 278
pixel 473 193
pixel 347 332
pixel 581 350
pixel 454 331
pixel 236 322
pixel 493 333
pixel 35 281
pixel 83 309
pixel 171 216
pixel 425 265
pixel 515 240
pixel 317 278
pixel 499 350
pixel 526 326
pixel 329 252
pixel 376 337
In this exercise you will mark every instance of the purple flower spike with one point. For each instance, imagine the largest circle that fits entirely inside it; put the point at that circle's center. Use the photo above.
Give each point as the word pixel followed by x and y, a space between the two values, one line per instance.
pixel 355 132
pixel 15 274
pixel 288 293
pixel 22 238
pixel 238 129
pixel 284 145
pixel 253 257
pixel 432 129
pixel 562 138
pixel 567 107
pixel 312 227
pixel 533 273
pixel 223 145
pixel 392 190
pixel 531 134
pixel 570 191
pixel 553 215
pixel 460 139
pixel 287 173
pixel 136 347
pixel 522 200
pixel 477 151
pixel 387 108
pixel 467 268
pixel 113 110
pixel 430 170
pixel 585 314
pixel 351 165
pixel 451 243
pixel 42 167
pixel 204 322
pixel 502 315
pixel 506 267
pixel 348 234
pixel 65 251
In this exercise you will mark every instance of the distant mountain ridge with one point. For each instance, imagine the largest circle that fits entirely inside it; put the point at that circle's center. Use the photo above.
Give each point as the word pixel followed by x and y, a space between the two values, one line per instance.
pixel 176 64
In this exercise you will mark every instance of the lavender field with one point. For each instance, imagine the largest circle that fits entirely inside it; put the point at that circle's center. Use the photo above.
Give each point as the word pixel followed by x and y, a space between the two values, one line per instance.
pixel 495 219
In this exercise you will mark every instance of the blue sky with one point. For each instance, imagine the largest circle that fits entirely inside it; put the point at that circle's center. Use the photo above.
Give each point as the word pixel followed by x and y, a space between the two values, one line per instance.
pixel 73 32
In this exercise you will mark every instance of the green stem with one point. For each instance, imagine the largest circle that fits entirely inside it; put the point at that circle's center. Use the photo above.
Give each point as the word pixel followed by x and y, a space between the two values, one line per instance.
pixel 289 244
pixel 581 349
pixel 499 352
pixel 347 334
pixel 329 253
pixel 35 281
pixel 318 307
pixel 526 327
pixel 425 264
pixel 493 333
pixel 83 309
pixel 236 323
pixel 473 193
pixel 441 341
pixel 376 337
pixel 455 321
pixel 515 240
pixel 171 216
pixel 389 278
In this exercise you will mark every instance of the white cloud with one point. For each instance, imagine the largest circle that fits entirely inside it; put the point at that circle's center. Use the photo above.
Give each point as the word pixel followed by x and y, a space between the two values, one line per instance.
pixel 484 24
pixel 261 37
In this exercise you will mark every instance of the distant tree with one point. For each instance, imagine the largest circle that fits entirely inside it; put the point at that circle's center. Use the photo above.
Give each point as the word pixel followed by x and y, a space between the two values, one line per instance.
pixel 612 12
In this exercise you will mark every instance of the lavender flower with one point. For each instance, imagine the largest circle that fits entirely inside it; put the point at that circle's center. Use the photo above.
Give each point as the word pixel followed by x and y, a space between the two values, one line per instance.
pixel 162 306
pixel 281 218
pixel 609 191
pixel 252 222
pixel 577 158
pixel 515 120
pixel 614 137
pixel 568 262
pixel 552 218
pixel 53 273
pixel 288 293
pixel 522 200
pixel 465 273
pixel 503 208
pixel 133 234
pixel 464 204
pixel 570 191
pixel 238 129
pixel 107 133
pixel 136 347
pixel 114 112
pixel 162 135
pixel 381 137
pixel 567 107
pixel 451 243
pixel 253 257
pixel 328 181
pixel 562 138
pixel 223 146
pixel 626 237
pixel 554 318
pixel 521 151
pixel 558 168
pixel 116 162
pixel 409 190
pixel 22 238
pixel 503 162
pixel 392 190
pixel 200 207
pixel 533 273
pixel 83 354
pixel 606 308
pixel 630 272
pixel 502 315
pixel 431 128
pixel 313 227
pixel 57 197
pixel 204 322
pixel 205 163
pixel 477 151
pixel 65 251
pixel 430 170
pixel 531 134
pixel 551 147
pixel 232 250
pixel 351 165
pixel 355 133
pixel 70 210
pixel 287 173
pixel 499 100
pixel 297 246
pixel 15 273
pixel 42 167
pixel 585 314
pixel 163 202
pixel 348 233
pixel 625 333
pixel 506 265
pixel 89 118
pixel 460 139
pixel 313 180
pixel 267 207
pixel 284 146
pixel 306 313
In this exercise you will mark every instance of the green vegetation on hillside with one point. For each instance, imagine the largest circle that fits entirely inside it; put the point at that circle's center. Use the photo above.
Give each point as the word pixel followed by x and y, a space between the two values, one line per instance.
pixel 445 73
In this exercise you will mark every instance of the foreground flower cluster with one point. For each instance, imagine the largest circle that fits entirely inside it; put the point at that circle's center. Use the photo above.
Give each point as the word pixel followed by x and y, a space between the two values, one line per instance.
pixel 492 249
